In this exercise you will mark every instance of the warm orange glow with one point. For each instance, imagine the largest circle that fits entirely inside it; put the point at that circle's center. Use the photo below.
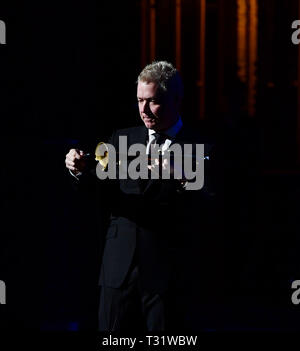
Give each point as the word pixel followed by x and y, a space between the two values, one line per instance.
pixel 253 7
pixel 152 30
pixel 143 32
pixel 247 20
pixel 242 39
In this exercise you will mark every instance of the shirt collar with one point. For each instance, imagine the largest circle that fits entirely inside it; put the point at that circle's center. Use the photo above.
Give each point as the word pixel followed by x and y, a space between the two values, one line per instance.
pixel 170 132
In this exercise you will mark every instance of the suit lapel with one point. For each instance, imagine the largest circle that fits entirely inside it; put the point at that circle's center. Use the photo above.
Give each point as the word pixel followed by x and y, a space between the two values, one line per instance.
pixel 179 138
pixel 139 136
pixel 186 135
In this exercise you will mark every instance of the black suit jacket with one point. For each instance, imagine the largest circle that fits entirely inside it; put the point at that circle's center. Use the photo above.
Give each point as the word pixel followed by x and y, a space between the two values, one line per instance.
pixel 152 223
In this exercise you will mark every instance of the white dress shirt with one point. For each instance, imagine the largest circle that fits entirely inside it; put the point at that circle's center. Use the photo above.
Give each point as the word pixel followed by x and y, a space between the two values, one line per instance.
pixel 170 133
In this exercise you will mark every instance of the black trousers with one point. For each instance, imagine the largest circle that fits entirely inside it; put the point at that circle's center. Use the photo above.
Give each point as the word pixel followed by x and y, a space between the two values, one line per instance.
pixel 131 309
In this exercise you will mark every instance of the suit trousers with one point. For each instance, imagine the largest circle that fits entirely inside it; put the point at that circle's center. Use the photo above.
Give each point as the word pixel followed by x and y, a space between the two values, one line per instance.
pixel 132 309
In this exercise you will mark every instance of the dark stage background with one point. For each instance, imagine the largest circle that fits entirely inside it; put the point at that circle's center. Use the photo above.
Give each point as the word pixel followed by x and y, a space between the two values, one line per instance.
pixel 67 79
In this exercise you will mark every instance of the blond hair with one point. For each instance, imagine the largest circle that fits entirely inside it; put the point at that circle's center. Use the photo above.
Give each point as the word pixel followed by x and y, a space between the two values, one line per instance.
pixel 165 75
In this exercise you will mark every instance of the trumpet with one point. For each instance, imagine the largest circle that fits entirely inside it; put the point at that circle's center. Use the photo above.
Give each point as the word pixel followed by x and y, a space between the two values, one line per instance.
pixel 102 158
pixel 102 155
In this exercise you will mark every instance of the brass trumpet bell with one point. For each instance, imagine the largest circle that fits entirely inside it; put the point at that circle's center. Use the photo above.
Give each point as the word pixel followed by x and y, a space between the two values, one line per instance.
pixel 100 156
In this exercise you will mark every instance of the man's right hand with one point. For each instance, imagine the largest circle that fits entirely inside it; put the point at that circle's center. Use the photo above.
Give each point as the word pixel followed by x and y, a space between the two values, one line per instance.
pixel 75 161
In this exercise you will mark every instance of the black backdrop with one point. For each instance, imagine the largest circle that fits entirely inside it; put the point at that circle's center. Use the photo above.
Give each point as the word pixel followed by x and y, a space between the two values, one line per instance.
pixel 68 76
pixel 60 60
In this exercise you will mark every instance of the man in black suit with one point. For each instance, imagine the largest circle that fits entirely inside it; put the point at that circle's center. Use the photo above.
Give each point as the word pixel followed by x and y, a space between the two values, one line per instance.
pixel 151 221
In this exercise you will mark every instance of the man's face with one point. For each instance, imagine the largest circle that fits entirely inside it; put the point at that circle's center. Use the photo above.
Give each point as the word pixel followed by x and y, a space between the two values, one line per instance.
pixel 158 111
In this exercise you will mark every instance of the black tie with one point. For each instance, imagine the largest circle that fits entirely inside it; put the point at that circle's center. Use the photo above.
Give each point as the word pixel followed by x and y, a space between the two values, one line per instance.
pixel 159 138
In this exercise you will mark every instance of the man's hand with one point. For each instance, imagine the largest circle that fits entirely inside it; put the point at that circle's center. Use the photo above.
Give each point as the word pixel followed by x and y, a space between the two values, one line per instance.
pixel 75 161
